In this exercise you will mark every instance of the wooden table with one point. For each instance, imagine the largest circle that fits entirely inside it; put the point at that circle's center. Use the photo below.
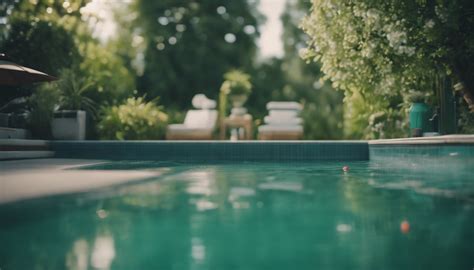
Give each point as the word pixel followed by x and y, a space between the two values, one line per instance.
pixel 237 121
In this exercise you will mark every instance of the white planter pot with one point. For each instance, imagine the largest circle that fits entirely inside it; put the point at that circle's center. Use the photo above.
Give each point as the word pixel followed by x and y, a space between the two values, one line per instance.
pixel 238 100
pixel 69 125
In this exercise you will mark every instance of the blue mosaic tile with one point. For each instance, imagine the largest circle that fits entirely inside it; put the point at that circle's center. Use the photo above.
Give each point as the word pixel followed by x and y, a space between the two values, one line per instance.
pixel 387 152
pixel 212 151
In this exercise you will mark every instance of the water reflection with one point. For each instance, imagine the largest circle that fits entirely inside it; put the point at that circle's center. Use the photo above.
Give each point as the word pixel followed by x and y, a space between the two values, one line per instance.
pixel 343 228
pixel 200 182
pixel 99 254
pixel 78 257
pixel 282 186
pixel 198 250
pixel 103 252
pixel 448 176
pixel 250 216
pixel 204 205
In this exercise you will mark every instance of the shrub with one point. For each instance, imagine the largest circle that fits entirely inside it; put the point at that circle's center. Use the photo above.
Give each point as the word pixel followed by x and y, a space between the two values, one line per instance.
pixel 136 119
pixel 380 51
pixel 110 79
pixel 42 104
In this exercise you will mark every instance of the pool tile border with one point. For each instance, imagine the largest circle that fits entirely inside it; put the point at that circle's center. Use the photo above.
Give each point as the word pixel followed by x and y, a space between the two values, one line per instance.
pixel 223 151
pixel 459 146
pixel 378 152
pixel 212 151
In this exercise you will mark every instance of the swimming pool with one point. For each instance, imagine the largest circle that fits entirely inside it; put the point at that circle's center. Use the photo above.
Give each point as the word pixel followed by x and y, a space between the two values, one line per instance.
pixel 253 215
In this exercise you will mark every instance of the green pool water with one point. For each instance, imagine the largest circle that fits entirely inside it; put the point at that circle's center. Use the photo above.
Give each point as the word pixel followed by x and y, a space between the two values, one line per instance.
pixel 253 216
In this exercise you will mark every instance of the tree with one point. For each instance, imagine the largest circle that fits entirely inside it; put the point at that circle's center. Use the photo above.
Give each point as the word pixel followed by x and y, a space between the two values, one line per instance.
pixel 322 112
pixel 189 45
pixel 291 79
pixel 55 35
pixel 65 13
pixel 40 36
pixel 379 51
pixel 43 45
pixel 32 44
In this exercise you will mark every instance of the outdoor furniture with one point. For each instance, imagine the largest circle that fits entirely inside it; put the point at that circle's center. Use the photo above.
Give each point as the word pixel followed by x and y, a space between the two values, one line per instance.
pixel 238 122
pixel 282 122
pixel 13 74
pixel 198 124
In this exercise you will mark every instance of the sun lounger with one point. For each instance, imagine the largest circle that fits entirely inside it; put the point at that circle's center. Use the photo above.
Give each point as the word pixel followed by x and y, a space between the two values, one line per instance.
pixel 198 124
pixel 282 122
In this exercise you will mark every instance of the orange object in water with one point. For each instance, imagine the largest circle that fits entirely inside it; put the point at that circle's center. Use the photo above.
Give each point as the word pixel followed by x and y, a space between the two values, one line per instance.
pixel 345 168
pixel 405 226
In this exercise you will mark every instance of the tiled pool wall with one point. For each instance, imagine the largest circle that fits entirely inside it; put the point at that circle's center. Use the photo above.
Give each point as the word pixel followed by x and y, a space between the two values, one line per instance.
pixel 216 151
pixel 213 151
pixel 404 151
pixel 441 159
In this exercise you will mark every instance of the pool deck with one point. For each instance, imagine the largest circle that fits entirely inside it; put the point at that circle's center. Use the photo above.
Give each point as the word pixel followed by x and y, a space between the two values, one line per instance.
pixel 34 178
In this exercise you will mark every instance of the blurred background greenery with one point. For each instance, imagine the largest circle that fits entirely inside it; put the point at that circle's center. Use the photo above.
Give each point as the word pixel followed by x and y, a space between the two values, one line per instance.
pixel 164 52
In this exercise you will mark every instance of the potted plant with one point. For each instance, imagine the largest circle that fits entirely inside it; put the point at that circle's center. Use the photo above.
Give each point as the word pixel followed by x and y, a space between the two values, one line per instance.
pixel 69 121
pixel 237 87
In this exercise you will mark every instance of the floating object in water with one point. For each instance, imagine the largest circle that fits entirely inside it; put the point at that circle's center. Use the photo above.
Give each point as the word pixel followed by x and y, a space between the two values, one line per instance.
pixel 344 228
pixel 345 168
pixel 405 226
pixel 101 213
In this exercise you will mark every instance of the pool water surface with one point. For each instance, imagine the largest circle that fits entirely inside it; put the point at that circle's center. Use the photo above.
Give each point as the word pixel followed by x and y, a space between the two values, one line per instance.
pixel 252 216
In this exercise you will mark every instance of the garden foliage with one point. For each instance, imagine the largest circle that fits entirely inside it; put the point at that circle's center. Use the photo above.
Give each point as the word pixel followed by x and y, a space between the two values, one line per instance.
pixel 290 78
pixel 236 83
pixel 379 51
pixel 31 44
pixel 322 106
pixel 73 92
pixel 52 36
pixel 42 104
pixel 188 45
pixel 136 119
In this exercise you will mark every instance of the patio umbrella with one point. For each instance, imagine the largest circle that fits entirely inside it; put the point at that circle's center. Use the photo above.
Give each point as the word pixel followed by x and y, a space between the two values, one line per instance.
pixel 13 74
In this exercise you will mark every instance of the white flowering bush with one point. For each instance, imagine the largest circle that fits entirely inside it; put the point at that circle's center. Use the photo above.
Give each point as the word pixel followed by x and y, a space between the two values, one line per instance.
pixel 379 51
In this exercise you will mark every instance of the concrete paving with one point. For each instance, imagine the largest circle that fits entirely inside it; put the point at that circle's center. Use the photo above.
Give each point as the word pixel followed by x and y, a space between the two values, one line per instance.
pixel 34 178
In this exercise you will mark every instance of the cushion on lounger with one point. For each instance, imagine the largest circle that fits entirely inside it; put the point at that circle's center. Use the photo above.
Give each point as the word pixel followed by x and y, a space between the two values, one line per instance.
pixel 200 119
pixel 284 105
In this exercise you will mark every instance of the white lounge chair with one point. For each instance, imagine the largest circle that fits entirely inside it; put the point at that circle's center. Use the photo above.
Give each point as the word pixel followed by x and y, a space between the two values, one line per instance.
pixel 198 124
pixel 282 122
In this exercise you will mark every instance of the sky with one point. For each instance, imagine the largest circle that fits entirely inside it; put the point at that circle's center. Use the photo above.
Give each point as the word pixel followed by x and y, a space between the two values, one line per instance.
pixel 270 42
